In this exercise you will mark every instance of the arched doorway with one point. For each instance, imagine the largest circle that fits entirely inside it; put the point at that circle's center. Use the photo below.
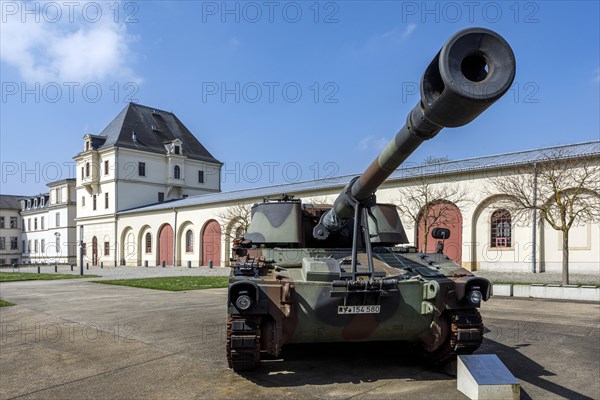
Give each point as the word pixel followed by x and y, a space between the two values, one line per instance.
pixel 94 251
pixel 445 215
pixel 211 243
pixel 165 245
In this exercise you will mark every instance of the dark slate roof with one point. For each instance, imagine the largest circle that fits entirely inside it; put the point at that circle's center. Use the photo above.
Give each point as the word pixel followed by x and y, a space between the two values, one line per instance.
pixel 402 173
pixel 153 128
pixel 10 202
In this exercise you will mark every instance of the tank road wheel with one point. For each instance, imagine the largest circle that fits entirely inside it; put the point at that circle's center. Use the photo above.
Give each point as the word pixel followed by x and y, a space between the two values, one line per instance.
pixel 465 336
pixel 243 342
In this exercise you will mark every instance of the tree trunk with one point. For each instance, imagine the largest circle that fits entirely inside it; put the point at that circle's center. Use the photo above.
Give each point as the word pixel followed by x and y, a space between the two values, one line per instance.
pixel 565 258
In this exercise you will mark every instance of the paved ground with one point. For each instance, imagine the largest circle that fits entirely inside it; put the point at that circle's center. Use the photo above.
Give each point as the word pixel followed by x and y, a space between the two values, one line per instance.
pixel 142 272
pixel 79 340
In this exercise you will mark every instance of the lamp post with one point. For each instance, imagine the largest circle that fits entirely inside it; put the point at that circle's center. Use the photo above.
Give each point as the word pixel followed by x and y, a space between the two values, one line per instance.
pixel 81 250
pixel 57 242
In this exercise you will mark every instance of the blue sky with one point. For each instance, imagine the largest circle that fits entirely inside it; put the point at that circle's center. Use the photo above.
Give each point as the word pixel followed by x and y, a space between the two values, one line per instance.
pixel 281 91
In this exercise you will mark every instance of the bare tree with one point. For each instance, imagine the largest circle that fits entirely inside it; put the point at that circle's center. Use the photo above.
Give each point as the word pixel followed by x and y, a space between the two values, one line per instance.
pixel 319 200
pixel 429 205
pixel 435 160
pixel 563 192
pixel 235 219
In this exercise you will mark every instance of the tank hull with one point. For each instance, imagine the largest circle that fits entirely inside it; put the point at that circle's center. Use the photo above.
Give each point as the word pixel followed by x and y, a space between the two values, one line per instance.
pixel 320 317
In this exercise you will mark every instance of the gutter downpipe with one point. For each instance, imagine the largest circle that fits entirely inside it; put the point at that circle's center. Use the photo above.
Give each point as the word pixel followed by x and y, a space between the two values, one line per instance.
pixel 534 225
pixel 117 247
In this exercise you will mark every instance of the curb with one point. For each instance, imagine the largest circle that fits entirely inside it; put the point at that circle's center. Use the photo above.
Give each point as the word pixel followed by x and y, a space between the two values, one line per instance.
pixel 548 291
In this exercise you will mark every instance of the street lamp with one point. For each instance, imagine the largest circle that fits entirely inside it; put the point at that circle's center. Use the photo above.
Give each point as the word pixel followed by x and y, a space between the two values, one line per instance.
pixel 81 250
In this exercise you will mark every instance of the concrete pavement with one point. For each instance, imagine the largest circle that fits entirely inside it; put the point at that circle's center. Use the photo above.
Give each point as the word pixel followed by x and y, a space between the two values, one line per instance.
pixel 76 339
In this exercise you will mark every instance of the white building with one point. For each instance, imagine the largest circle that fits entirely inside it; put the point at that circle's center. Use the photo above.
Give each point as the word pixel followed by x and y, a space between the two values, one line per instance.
pixel 48 235
pixel 10 230
pixel 146 233
pixel 144 156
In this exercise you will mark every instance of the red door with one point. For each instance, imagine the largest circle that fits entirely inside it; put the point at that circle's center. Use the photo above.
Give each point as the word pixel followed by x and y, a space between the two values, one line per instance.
pixel 449 217
pixel 94 251
pixel 165 245
pixel 211 243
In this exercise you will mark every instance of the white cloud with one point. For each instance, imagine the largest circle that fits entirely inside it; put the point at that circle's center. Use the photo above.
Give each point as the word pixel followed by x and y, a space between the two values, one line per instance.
pixel 373 143
pixel 410 28
pixel 67 50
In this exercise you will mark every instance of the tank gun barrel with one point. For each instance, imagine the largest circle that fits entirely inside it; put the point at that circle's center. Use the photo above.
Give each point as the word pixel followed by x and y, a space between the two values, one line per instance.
pixel 473 69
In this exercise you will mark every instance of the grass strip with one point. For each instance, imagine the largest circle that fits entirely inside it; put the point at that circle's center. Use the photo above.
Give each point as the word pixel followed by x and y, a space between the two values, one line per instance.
pixel 32 276
pixel 4 303
pixel 172 283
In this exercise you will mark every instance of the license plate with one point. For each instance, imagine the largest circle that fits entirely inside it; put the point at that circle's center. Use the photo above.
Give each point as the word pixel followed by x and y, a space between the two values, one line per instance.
pixel 359 309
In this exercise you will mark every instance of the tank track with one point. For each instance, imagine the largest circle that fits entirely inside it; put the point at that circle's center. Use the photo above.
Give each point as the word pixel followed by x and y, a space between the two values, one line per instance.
pixel 466 335
pixel 243 342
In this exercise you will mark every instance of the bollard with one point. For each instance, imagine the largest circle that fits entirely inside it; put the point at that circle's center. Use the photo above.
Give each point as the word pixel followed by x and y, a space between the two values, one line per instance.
pixel 38 269
pixel 72 267
pixel 210 263
pixel 102 264
pixel 146 263
pixel 55 268
pixel 189 264
pixel 163 263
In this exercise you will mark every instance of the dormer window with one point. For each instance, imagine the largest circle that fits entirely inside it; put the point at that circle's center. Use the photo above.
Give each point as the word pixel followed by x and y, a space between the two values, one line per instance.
pixel 87 146
pixel 35 203
pixel 174 147
pixel 28 204
pixel 23 204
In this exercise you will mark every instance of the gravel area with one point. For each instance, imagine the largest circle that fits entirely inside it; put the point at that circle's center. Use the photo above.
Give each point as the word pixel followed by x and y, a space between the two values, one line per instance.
pixel 129 272
pixel 543 277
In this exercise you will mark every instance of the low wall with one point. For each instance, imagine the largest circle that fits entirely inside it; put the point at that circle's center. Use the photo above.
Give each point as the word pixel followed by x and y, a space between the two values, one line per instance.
pixel 548 291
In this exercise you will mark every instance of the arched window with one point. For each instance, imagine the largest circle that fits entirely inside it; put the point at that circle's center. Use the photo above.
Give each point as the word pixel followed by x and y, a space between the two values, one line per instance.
pixel 87 169
pixel 176 172
pixel 148 243
pixel 501 229
pixel 189 241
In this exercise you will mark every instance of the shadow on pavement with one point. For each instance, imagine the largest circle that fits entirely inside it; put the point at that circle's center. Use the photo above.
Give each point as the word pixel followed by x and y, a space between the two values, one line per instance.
pixel 322 364
pixel 527 370
pixel 327 363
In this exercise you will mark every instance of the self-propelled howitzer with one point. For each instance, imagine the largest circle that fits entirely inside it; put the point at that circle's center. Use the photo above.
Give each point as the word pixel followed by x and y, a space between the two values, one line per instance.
pixel 307 273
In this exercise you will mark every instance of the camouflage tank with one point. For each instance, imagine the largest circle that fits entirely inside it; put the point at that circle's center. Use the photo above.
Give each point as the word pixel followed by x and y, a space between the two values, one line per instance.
pixel 309 273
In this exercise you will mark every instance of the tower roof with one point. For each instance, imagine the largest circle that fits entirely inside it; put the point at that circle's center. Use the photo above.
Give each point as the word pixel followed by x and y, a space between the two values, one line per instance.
pixel 149 129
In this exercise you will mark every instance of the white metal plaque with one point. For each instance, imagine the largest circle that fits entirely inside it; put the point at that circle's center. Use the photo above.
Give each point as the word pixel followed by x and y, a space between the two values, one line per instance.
pixel 359 309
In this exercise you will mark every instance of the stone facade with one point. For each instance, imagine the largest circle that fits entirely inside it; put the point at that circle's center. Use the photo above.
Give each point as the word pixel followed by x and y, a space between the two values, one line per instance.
pixel 48 234
pixel 10 230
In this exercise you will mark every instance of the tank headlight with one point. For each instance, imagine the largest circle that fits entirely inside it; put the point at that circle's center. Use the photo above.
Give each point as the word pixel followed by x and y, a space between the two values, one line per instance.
pixel 243 302
pixel 475 297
